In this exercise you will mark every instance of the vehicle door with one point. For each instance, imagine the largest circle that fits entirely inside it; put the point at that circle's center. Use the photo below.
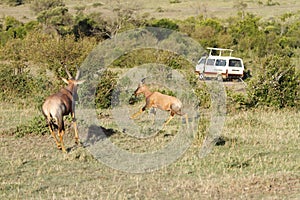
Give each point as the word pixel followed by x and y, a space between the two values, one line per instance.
pixel 235 67
pixel 210 66
pixel 200 65
pixel 220 66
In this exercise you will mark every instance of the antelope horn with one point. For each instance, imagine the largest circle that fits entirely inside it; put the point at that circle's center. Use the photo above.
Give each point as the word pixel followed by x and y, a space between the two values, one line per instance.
pixel 77 73
pixel 68 73
pixel 143 80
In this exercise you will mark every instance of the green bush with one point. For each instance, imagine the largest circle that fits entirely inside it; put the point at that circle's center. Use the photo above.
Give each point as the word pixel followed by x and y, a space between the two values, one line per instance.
pixel 92 25
pixel 14 2
pixel 58 18
pixel 277 85
pixel 42 5
pixel 105 89
pixel 37 126
pixel 236 101
pixel 165 23
pixel 21 87
pixel 174 1
pixel 14 29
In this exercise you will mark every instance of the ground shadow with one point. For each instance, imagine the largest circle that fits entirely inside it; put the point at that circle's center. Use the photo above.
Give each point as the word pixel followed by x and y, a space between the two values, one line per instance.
pixel 96 133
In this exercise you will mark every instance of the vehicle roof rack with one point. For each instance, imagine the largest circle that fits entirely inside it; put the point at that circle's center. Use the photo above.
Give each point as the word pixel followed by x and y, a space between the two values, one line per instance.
pixel 219 49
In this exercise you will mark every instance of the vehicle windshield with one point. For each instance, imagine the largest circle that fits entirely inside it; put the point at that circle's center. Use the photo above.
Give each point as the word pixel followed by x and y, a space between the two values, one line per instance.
pixel 235 63
pixel 202 61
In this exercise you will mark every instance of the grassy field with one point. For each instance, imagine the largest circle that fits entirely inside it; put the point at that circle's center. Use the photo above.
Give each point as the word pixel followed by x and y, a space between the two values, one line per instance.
pixel 257 156
pixel 165 9
pixel 259 160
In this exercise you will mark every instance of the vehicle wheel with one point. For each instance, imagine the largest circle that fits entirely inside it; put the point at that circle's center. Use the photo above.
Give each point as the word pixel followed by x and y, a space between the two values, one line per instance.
pixel 201 76
pixel 219 77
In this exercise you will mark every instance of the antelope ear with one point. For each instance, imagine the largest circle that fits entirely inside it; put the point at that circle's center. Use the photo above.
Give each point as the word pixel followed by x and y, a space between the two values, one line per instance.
pixel 80 82
pixel 65 80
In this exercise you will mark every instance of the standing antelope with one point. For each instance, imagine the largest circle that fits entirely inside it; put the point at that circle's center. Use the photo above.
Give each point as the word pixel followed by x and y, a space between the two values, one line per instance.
pixel 60 104
pixel 160 101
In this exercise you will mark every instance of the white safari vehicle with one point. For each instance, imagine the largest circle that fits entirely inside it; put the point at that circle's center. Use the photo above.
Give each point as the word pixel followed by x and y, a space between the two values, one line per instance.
pixel 220 66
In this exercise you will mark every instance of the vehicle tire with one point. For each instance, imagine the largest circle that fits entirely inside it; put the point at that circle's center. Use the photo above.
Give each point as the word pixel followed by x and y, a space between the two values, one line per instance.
pixel 219 77
pixel 201 76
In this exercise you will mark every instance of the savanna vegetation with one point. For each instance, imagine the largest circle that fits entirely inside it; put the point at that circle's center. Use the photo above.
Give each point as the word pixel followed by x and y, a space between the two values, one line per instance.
pixel 261 135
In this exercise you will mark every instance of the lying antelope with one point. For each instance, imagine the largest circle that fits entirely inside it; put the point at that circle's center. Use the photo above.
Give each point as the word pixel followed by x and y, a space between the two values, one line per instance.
pixel 60 104
pixel 160 101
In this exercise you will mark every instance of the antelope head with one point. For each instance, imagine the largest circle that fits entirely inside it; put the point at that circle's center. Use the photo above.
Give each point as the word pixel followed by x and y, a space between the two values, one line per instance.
pixel 73 82
pixel 141 88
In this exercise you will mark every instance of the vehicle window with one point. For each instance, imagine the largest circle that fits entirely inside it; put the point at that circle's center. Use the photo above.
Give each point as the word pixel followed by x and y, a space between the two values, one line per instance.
pixel 202 61
pixel 220 62
pixel 210 62
pixel 235 63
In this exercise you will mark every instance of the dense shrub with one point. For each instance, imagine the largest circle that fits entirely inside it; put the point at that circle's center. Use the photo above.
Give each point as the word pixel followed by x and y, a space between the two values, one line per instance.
pixel 14 29
pixel 277 85
pixel 105 89
pixel 90 26
pixel 15 2
pixel 26 49
pixel 42 5
pixel 165 23
pixel 22 87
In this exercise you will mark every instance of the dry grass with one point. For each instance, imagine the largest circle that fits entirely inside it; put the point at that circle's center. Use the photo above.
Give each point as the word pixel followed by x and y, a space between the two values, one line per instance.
pixel 260 160
pixel 165 9
pixel 13 115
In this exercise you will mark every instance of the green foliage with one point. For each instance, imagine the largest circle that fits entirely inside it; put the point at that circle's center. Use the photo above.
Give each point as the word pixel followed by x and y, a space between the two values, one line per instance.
pixel 42 5
pixel 24 79
pixel 90 26
pixel 165 23
pixel 83 26
pixel 36 126
pixel 245 30
pixel 98 4
pixel 236 101
pixel 14 2
pixel 12 29
pixel 205 31
pixel 21 87
pixel 215 24
pixel 56 54
pixel 277 85
pixel 271 3
pixel 203 95
pixel 27 49
pixel 292 35
pixel 139 57
pixel 174 1
pixel 58 17
pixel 105 89
pixel 166 92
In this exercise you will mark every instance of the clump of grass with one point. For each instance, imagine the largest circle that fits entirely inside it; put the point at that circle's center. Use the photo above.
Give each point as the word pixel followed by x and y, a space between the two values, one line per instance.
pixel 98 4
pixel 160 10
pixel 79 8
pixel 175 1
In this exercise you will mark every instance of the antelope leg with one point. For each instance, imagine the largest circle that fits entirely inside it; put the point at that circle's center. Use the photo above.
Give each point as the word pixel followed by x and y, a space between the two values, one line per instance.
pixel 55 138
pixel 77 141
pixel 61 134
pixel 137 113
pixel 170 118
pixel 186 120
